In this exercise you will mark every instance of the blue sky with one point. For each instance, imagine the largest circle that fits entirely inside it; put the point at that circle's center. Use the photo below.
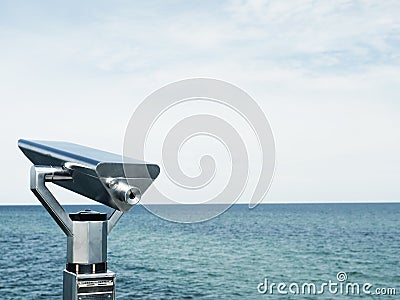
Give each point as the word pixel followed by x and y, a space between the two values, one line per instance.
pixel 326 73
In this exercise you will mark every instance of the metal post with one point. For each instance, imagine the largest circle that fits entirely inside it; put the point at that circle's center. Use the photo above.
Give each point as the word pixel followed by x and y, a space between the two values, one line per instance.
pixel 86 275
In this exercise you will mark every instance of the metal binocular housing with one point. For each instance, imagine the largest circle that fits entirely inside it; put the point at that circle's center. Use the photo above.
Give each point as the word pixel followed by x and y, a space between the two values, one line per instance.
pixel 115 181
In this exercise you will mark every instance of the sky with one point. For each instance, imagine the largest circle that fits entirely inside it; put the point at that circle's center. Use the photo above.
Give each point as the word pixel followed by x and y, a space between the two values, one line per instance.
pixel 326 74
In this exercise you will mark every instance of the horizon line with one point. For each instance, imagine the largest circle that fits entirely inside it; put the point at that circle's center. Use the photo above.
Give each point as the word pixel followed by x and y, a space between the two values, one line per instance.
pixel 270 203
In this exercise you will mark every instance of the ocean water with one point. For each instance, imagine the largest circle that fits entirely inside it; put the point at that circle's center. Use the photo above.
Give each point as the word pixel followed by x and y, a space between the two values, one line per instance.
pixel 224 258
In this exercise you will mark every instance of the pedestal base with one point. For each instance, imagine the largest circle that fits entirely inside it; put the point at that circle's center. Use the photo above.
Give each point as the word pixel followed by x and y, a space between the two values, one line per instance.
pixel 99 286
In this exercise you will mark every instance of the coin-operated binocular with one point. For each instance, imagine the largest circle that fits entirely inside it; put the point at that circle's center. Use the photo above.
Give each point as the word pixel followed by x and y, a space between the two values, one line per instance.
pixel 110 179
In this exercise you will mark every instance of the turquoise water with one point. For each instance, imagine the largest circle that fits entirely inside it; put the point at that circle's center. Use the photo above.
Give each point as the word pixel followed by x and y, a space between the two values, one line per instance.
pixel 225 258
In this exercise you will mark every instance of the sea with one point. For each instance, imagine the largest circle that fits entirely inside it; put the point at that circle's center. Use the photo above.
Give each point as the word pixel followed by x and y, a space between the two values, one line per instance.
pixel 274 251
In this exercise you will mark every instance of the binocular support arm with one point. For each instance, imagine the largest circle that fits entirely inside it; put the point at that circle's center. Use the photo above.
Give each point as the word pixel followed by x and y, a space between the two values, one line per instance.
pixel 42 174
pixel 39 176
pixel 113 219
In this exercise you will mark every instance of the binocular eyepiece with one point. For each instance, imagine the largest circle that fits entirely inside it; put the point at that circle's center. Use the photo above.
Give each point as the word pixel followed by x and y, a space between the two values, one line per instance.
pixel 123 191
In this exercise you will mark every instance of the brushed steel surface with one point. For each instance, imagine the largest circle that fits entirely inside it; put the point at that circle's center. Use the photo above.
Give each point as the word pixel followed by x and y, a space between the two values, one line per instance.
pixel 88 244
pixel 92 170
